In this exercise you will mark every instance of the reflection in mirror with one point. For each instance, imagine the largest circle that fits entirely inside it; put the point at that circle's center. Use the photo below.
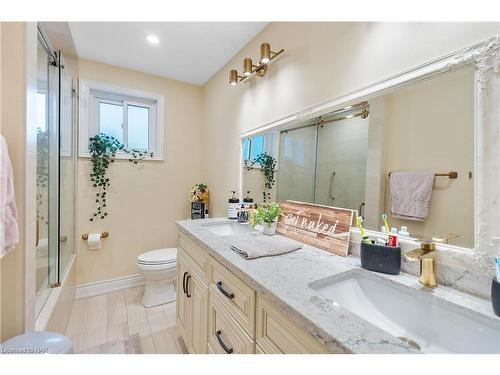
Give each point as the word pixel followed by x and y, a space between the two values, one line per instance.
pixel 259 170
pixel 351 157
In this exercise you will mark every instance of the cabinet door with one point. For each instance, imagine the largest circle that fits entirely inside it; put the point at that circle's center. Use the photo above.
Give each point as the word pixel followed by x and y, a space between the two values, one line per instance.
pixel 278 334
pixel 181 302
pixel 197 303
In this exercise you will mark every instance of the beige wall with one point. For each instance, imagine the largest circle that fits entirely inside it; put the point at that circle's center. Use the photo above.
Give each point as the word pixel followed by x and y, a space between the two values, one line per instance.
pixel 430 126
pixel 254 182
pixel 18 85
pixel 321 61
pixel 144 200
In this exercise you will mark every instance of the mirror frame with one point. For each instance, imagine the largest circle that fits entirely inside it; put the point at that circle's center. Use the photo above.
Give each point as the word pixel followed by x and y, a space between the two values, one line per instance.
pixel 484 57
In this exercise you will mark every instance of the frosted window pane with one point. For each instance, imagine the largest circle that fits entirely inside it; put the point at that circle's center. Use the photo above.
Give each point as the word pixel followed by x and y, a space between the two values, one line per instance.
pixel 138 127
pixel 246 149
pixel 111 120
pixel 257 145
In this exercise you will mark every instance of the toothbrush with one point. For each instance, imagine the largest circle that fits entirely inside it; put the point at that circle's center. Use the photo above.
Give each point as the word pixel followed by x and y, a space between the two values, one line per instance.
pixel 386 223
pixel 365 238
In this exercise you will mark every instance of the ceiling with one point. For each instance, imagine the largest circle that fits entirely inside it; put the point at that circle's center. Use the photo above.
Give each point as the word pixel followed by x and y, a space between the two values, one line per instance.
pixel 187 51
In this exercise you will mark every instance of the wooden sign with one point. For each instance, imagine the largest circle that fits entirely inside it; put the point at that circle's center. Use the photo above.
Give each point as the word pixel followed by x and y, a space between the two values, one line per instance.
pixel 320 226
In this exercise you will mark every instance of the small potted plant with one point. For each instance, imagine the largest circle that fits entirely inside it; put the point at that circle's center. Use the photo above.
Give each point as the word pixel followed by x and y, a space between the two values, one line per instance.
pixel 267 215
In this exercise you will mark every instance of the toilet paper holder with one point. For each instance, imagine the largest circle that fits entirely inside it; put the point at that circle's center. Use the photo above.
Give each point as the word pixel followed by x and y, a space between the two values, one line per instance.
pixel 85 236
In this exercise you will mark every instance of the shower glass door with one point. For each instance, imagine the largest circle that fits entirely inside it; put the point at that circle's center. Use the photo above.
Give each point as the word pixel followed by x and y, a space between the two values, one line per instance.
pixel 55 172
pixel 67 167
pixel 341 163
pixel 325 164
pixel 297 164
pixel 46 176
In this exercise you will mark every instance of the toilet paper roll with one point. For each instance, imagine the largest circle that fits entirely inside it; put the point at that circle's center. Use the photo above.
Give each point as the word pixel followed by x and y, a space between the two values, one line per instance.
pixel 94 241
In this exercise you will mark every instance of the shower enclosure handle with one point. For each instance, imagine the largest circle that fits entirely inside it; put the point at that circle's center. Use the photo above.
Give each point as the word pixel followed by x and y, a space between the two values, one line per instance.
pixel 361 210
pixel 330 186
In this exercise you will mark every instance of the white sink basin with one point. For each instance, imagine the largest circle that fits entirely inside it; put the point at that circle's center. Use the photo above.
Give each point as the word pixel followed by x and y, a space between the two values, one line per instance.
pixel 226 228
pixel 430 325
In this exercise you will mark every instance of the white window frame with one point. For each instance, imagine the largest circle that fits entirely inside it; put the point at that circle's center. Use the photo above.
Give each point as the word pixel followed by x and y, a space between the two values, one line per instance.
pixel 91 93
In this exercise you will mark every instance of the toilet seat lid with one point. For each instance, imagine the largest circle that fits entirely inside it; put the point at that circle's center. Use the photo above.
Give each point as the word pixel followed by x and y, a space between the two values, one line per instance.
pixel 159 256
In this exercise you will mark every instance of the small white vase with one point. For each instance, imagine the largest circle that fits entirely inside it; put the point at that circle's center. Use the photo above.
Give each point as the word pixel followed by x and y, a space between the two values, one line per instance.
pixel 269 229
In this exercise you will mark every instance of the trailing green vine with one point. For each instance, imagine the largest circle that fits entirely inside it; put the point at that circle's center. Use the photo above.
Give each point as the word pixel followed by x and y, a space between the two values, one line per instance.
pixel 268 168
pixel 103 149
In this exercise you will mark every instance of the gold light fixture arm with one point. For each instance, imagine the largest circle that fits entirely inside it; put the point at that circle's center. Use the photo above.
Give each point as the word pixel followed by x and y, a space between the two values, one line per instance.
pixel 250 69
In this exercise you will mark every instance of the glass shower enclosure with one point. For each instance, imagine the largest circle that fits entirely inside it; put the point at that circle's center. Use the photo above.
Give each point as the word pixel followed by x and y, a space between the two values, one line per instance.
pixel 325 162
pixel 55 171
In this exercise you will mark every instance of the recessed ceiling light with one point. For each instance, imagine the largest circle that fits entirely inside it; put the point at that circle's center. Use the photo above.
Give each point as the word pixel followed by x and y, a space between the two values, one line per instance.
pixel 153 39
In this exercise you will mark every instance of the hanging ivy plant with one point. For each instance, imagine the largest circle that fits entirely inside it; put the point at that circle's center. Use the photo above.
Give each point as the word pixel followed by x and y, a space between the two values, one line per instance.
pixel 268 168
pixel 103 149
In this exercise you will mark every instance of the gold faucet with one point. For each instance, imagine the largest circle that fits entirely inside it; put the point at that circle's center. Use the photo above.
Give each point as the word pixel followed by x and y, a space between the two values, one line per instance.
pixel 427 257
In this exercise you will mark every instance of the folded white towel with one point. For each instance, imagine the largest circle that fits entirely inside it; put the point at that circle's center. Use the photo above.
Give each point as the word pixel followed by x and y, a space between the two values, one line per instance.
pixel 410 194
pixel 256 245
pixel 9 231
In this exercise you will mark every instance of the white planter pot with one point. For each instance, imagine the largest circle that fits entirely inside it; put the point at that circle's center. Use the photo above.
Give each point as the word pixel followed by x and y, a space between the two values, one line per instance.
pixel 269 228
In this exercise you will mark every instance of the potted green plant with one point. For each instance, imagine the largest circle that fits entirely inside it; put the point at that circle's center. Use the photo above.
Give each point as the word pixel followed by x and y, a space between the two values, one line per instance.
pixel 267 215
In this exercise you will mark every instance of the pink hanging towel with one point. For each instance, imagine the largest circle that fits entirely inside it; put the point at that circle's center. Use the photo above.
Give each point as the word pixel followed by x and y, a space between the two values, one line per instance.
pixel 410 194
pixel 9 231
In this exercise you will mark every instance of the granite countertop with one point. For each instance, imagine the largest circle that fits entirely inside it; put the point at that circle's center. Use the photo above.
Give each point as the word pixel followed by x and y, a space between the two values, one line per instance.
pixel 284 280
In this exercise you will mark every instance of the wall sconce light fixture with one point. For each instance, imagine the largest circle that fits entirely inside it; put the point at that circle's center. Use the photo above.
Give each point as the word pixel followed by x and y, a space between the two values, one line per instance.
pixel 249 69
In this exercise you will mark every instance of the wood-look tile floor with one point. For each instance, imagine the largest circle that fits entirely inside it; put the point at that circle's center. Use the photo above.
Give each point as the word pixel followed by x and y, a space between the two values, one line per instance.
pixel 118 323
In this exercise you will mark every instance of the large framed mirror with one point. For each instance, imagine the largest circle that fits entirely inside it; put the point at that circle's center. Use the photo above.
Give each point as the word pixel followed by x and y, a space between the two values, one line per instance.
pixel 441 117
pixel 345 158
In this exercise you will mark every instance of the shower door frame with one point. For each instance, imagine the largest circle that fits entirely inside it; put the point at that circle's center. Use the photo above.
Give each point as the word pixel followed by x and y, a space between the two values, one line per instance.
pixel 52 129
pixel 55 273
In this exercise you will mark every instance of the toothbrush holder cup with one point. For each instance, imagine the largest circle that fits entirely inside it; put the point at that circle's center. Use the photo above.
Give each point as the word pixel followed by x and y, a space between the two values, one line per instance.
pixel 495 295
pixel 379 258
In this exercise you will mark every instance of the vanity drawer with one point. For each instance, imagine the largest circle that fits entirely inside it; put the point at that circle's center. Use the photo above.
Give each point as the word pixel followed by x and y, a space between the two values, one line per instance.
pixel 236 296
pixel 196 253
pixel 225 336
pixel 278 334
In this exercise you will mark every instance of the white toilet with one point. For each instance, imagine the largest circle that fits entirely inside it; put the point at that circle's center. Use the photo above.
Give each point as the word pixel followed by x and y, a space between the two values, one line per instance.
pixel 158 267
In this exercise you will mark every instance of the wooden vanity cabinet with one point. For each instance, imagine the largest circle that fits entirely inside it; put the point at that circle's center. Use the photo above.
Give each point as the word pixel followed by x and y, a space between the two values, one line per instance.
pixel 277 334
pixel 219 313
pixel 192 306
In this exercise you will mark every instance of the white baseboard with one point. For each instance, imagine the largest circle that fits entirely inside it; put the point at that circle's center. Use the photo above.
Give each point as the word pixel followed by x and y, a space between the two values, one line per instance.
pixel 106 286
